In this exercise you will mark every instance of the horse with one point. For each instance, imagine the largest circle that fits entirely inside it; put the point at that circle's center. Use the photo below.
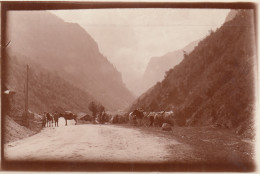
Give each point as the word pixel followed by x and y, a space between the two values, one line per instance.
pixel 56 119
pixel 67 115
pixel 137 115
pixel 49 119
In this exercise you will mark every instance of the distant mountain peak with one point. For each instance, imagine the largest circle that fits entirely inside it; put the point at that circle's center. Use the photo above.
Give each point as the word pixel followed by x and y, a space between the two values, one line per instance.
pixel 231 15
pixel 157 66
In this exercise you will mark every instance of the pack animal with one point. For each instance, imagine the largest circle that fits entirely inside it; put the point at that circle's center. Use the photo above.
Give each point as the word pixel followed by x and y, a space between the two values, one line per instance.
pixel 69 116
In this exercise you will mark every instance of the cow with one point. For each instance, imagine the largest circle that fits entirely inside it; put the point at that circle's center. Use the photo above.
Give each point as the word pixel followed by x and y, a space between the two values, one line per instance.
pixel 158 118
pixel 151 117
pixel 137 115
pixel 163 117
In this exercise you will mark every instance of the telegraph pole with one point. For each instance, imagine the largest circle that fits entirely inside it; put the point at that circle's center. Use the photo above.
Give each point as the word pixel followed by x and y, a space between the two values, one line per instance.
pixel 26 96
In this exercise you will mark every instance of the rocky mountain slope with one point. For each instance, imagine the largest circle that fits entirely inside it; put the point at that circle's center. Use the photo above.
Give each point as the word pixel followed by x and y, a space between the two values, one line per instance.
pixel 45 40
pixel 214 84
pixel 157 66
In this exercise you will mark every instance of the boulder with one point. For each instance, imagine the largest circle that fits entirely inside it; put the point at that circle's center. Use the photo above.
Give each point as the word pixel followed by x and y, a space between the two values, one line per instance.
pixel 114 119
pixel 166 127
pixel 87 118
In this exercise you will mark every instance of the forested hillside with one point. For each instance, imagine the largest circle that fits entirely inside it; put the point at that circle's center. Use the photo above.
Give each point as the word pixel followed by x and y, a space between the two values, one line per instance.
pixel 214 84
pixel 47 91
pixel 67 49
pixel 157 66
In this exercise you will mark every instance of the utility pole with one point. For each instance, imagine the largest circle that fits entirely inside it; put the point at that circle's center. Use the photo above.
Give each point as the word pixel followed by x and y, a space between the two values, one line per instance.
pixel 26 96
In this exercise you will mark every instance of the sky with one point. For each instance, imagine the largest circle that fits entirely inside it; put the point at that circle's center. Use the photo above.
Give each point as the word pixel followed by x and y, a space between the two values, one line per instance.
pixel 130 37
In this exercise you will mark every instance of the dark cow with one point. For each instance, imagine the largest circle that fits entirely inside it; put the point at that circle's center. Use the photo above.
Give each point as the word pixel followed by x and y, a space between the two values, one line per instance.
pixel 137 115
pixel 68 115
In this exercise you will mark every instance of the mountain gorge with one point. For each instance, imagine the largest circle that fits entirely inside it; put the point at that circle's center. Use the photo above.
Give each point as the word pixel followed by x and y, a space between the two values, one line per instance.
pixel 43 40
pixel 157 66
pixel 214 84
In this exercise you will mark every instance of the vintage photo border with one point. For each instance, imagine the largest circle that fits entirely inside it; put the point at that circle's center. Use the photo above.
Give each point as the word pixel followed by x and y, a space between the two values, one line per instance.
pixel 93 166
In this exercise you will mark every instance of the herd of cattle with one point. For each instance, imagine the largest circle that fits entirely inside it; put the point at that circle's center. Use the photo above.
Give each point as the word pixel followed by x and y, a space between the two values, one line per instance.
pixel 137 117
pixel 159 119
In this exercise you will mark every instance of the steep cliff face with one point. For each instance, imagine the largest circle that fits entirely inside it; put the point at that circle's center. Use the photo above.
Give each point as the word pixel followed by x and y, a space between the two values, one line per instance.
pixel 68 50
pixel 214 84
pixel 157 66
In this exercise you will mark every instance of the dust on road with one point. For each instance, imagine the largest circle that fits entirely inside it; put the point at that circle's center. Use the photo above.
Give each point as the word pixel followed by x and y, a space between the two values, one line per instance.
pixel 91 143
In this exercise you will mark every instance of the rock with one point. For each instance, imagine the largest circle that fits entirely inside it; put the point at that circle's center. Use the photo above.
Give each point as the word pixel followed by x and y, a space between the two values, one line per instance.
pixel 114 119
pixel 166 127
pixel 87 118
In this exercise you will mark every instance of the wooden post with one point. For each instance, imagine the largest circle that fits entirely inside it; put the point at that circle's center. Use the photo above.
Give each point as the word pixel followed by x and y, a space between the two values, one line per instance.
pixel 27 78
pixel 26 96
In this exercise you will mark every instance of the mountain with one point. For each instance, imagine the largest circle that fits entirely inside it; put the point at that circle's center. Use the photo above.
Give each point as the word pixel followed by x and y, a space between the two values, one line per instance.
pixel 157 66
pixel 64 48
pixel 231 15
pixel 47 91
pixel 214 84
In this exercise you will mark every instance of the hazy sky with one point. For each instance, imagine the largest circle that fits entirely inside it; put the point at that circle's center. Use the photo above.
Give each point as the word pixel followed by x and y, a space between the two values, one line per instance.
pixel 130 37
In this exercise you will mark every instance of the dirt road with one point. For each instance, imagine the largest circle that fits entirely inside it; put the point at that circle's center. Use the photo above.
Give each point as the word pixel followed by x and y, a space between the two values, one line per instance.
pixel 91 143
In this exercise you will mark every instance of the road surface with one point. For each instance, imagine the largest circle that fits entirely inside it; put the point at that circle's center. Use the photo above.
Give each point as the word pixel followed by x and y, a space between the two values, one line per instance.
pixel 102 143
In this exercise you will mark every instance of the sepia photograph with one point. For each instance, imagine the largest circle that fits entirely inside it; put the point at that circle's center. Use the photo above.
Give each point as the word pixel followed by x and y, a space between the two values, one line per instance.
pixel 103 86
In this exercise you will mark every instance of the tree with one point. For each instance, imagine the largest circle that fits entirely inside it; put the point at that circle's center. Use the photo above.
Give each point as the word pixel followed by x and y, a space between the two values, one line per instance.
pixel 101 108
pixel 185 55
pixel 101 111
pixel 93 108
